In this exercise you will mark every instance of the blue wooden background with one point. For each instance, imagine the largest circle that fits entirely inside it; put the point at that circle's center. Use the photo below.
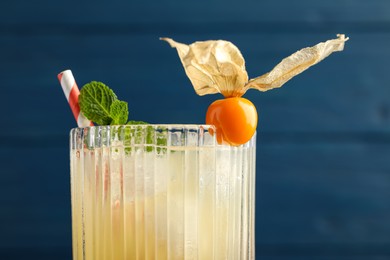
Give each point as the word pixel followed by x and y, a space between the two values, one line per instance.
pixel 323 171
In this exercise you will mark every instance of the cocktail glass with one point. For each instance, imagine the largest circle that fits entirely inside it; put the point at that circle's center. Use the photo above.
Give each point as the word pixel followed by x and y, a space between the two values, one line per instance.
pixel 160 192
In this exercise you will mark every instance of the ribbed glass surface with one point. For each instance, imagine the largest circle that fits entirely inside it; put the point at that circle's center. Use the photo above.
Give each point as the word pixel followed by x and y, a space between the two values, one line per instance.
pixel 160 192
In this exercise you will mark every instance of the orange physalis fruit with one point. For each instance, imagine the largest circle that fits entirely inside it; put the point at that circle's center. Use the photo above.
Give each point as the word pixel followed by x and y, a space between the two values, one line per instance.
pixel 234 118
pixel 219 67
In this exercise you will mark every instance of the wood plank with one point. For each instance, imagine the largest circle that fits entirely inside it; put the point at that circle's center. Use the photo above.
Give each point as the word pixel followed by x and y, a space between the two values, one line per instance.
pixel 174 14
pixel 345 93
pixel 338 253
pixel 41 253
pixel 322 194
pixel 35 193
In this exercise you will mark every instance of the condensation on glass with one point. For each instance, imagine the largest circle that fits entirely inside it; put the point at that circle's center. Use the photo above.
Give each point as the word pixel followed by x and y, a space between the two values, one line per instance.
pixel 160 192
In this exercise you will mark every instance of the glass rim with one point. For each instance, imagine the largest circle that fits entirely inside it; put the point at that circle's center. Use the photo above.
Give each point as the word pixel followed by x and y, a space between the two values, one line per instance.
pixel 148 134
pixel 191 126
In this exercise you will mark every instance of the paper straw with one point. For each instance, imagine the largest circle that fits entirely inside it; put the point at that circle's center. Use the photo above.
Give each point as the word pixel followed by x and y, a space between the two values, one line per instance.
pixel 72 93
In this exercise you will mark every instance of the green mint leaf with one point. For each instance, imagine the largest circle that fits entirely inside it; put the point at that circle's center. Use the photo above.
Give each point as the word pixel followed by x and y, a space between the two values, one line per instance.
pixel 153 137
pixel 133 122
pixel 119 112
pixel 95 102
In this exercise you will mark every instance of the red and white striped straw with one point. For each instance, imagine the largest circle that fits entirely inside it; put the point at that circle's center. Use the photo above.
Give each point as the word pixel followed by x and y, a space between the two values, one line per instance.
pixel 72 93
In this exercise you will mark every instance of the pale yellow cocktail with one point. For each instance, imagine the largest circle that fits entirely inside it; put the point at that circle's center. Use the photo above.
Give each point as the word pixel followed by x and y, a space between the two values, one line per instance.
pixel 160 192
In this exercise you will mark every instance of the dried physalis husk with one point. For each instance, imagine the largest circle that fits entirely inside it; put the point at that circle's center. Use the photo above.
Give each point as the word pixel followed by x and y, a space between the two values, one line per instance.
pixel 213 66
pixel 219 67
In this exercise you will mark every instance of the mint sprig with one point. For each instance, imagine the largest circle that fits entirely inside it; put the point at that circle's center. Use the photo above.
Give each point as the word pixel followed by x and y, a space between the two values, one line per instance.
pixel 119 112
pixel 99 104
